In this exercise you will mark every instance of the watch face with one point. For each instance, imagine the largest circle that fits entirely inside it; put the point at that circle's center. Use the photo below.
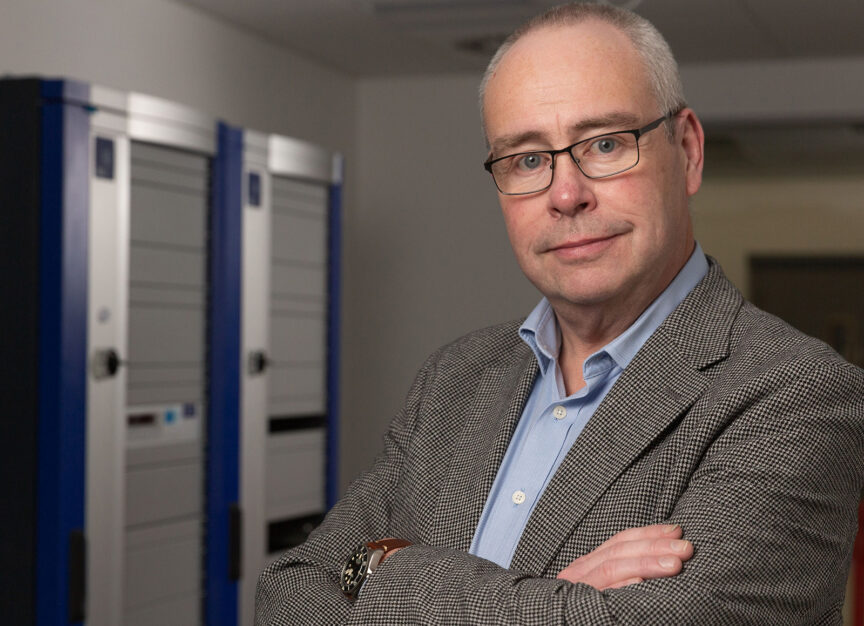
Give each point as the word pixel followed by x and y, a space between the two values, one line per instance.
pixel 355 569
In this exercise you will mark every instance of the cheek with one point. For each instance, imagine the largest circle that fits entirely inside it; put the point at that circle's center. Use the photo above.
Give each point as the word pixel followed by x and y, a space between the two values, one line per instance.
pixel 646 200
pixel 635 203
pixel 518 225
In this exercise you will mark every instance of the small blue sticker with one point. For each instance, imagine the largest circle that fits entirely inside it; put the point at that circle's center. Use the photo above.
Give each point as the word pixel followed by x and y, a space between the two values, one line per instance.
pixel 104 158
pixel 189 410
pixel 254 189
pixel 170 416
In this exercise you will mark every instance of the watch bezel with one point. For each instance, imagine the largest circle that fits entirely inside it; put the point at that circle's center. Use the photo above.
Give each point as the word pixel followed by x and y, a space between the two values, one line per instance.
pixel 365 560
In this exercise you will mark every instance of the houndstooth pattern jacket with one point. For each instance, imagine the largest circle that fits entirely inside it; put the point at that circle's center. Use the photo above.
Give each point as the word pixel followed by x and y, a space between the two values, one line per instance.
pixel 747 433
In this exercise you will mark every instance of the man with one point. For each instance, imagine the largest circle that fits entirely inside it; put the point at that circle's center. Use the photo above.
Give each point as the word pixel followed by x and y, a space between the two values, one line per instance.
pixel 647 447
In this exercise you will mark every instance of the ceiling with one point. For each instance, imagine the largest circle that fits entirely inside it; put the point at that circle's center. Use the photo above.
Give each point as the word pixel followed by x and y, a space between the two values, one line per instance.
pixel 393 37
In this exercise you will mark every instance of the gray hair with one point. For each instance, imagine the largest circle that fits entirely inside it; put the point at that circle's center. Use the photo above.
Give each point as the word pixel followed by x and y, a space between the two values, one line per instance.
pixel 663 77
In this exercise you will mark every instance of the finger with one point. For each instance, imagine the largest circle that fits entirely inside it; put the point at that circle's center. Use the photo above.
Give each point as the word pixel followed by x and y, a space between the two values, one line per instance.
pixel 610 573
pixel 585 563
pixel 655 531
pixel 680 548
pixel 625 583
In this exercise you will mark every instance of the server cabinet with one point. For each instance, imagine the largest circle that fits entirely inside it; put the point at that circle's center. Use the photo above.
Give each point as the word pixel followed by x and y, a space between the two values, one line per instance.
pixel 223 558
pixel 169 355
pixel 105 266
pixel 254 358
pixel 62 271
pixel 107 333
pixel 171 286
pixel 290 354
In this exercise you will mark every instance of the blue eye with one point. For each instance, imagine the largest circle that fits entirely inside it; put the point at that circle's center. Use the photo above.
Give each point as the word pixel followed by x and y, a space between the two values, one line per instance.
pixel 605 145
pixel 530 162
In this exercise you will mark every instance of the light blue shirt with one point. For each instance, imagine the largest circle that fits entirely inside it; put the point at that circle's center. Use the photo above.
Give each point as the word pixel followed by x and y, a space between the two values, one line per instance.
pixel 551 421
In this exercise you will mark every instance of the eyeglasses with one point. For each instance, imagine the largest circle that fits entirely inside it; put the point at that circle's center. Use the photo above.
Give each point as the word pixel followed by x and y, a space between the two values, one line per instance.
pixel 601 156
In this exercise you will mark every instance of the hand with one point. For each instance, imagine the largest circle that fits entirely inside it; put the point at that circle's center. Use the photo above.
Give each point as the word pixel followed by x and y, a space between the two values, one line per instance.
pixel 632 556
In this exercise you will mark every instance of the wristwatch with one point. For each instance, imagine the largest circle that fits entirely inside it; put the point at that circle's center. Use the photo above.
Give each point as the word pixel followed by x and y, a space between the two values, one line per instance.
pixel 363 562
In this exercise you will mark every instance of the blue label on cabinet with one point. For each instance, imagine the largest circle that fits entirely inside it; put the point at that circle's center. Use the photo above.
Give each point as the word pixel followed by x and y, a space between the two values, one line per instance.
pixel 104 158
pixel 254 189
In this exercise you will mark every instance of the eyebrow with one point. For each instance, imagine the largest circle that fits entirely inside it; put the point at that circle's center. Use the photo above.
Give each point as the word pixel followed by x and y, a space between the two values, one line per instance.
pixel 617 120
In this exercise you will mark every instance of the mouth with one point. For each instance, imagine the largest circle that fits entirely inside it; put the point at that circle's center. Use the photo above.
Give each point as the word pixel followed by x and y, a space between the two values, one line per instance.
pixel 584 243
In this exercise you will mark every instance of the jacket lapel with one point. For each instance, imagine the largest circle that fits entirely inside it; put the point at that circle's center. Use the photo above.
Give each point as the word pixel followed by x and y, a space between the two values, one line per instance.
pixel 662 381
pixel 497 406
pixel 637 410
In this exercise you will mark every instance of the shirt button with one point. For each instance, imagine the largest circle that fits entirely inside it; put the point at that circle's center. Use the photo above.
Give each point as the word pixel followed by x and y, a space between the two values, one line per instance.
pixel 559 412
pixel 518 497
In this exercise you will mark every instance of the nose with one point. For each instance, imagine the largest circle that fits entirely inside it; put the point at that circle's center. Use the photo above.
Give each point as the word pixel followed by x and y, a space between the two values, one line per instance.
pixel 571 191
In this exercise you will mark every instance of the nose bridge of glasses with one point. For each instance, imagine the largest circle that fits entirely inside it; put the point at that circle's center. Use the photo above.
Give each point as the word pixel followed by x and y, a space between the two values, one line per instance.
pixel 569 151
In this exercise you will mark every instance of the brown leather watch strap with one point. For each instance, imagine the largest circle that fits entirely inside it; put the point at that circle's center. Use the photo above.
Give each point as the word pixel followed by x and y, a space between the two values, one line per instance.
pixel 388 544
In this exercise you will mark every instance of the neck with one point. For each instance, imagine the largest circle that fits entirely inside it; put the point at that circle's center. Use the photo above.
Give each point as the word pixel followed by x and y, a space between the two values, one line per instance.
pixel 582 335
pixel 586 328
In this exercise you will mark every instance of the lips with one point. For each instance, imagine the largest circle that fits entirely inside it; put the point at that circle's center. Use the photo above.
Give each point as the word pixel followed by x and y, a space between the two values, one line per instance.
pixel 582 242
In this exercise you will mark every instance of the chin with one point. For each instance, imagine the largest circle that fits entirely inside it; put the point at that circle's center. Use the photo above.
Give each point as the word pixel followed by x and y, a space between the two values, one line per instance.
pixel 591 290
pixel 586 299
pixel 581 296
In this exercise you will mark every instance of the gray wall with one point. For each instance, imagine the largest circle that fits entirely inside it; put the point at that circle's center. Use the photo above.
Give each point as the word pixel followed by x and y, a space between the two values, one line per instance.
pixel 428 256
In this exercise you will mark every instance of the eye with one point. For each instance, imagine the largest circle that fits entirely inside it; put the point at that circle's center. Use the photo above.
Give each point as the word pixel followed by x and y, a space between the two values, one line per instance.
pixel 530 162
pixel 605 145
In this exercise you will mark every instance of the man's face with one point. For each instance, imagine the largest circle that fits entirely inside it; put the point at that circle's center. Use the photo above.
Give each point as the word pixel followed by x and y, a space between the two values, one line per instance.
pixel 582 241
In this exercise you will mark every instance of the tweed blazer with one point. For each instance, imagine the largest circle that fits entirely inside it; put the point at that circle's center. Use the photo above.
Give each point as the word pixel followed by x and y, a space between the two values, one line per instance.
pixel 747 433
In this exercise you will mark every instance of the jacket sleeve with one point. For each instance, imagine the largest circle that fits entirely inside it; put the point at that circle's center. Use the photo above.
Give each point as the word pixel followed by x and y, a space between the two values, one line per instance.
pixel 301 586
pixel 771 511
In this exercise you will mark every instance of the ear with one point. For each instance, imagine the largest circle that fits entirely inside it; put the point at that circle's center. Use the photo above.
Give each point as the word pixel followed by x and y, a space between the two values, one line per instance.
pixel 692 142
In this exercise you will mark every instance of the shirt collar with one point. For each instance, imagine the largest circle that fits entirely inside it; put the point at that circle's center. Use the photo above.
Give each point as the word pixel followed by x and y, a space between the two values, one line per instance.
pixel 540 329
pixel 540 332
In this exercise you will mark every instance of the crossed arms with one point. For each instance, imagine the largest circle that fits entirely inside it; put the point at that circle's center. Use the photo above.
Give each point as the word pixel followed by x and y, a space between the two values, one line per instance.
pixel 762 474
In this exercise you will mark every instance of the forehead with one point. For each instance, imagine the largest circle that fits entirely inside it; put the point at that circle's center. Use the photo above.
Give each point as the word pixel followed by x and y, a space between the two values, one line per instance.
pixel 553 78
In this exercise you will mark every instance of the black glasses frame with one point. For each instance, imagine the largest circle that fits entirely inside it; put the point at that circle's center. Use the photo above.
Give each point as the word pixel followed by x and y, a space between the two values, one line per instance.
pixel 636 132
